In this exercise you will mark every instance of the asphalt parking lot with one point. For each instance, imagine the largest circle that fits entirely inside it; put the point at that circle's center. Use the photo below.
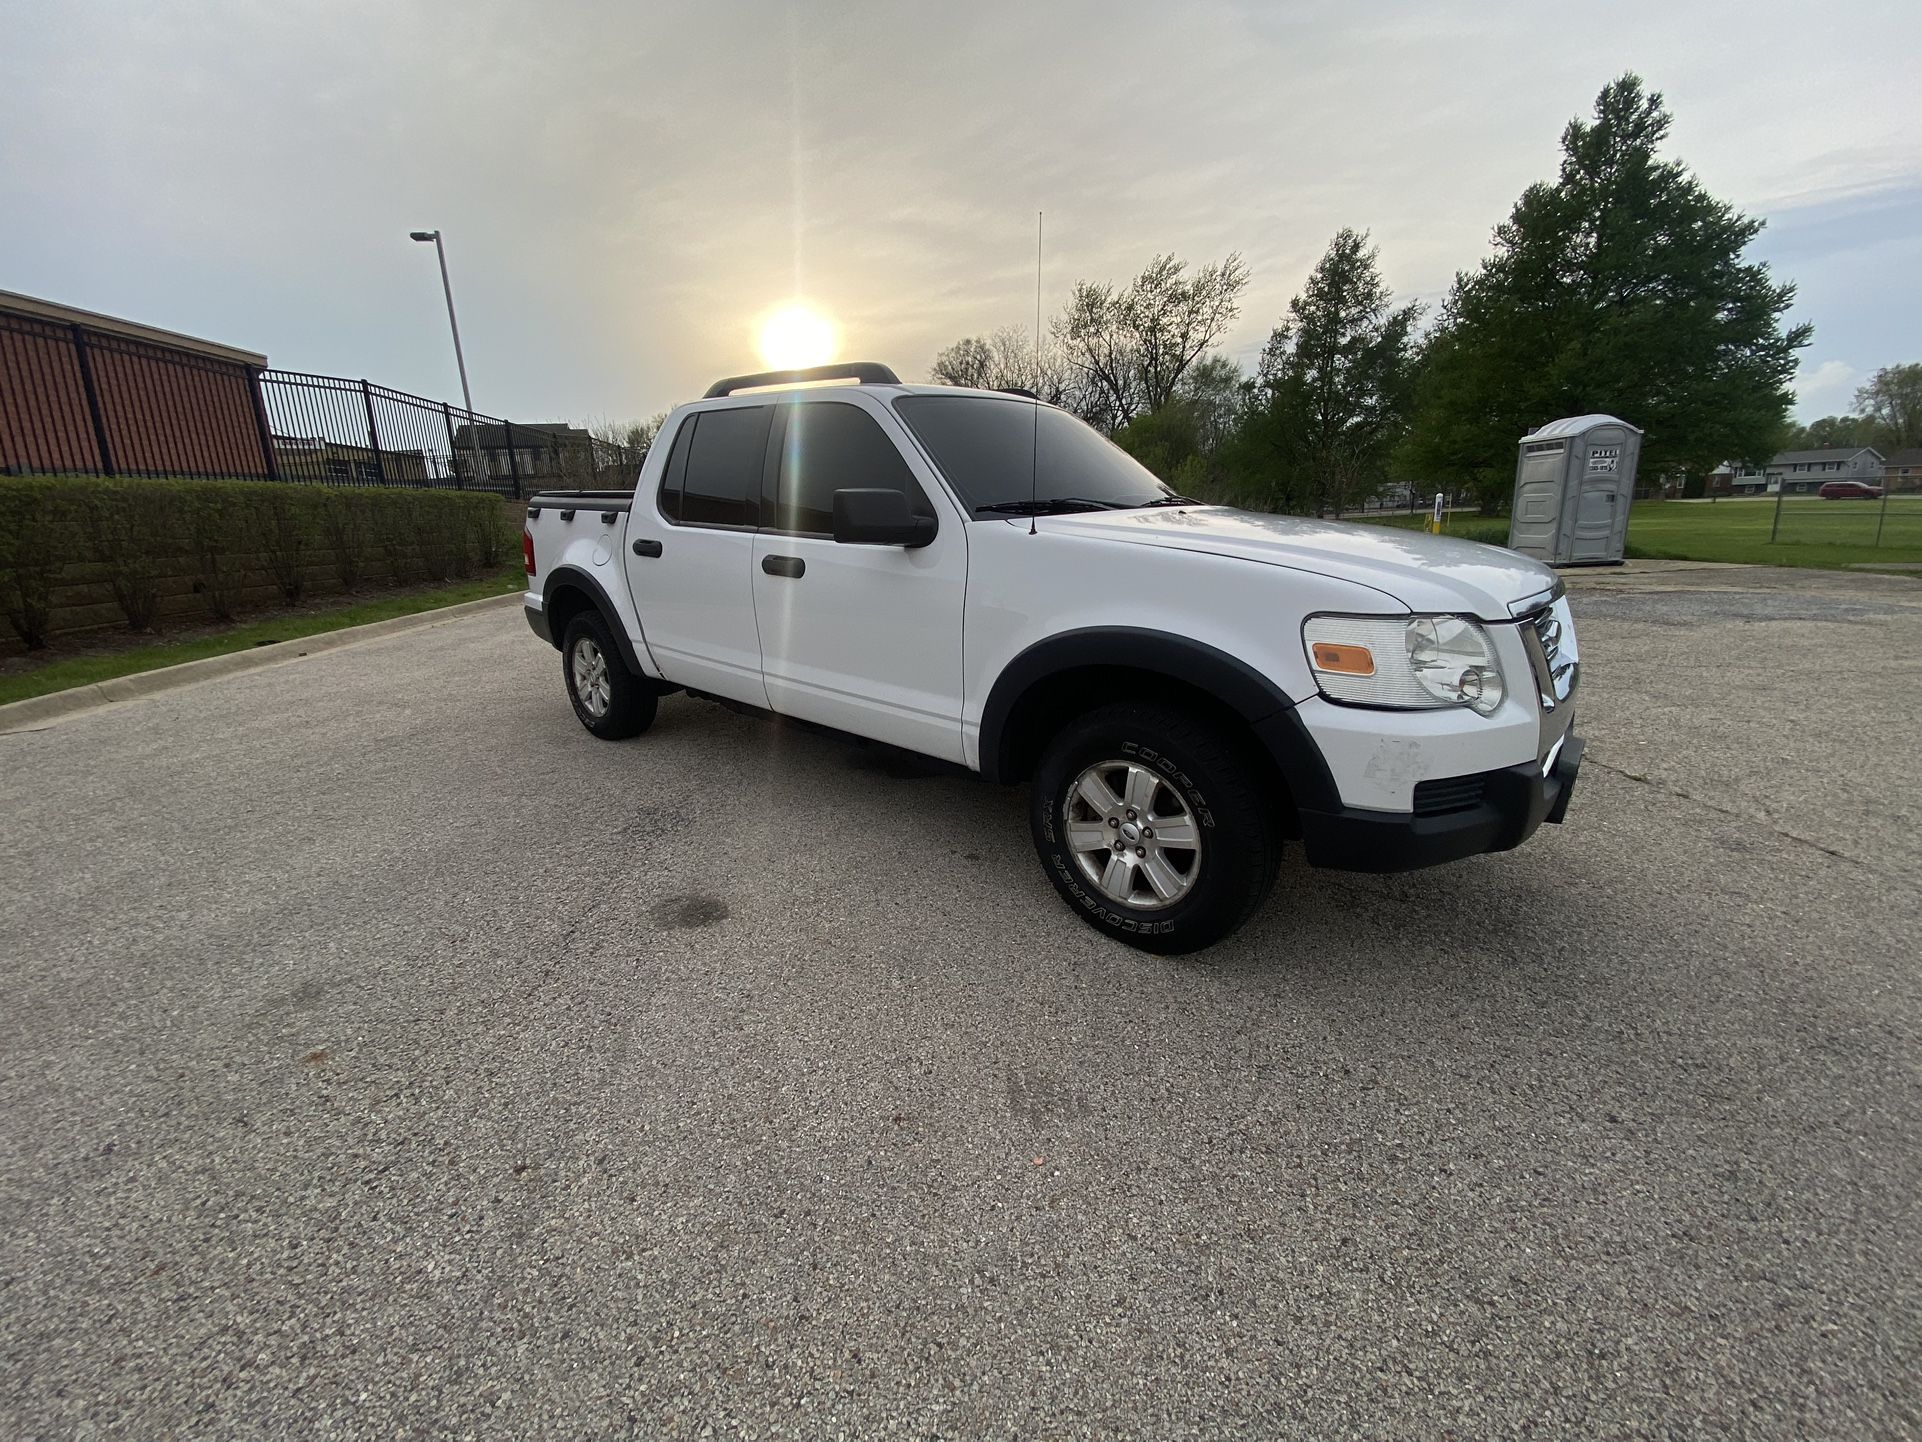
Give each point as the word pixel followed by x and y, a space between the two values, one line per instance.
pixel 384 1056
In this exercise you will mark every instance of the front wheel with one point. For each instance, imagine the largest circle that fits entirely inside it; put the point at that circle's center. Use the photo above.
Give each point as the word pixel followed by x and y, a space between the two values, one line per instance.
pixel 610 700
pixel 1151 824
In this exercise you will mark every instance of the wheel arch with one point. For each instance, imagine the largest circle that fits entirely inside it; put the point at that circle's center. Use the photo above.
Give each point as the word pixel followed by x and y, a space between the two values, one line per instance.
pixel 1070 674
pixel 567 592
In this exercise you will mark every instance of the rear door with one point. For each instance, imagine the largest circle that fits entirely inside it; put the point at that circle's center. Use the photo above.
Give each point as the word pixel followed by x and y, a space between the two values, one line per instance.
pixel 691 553
pixel 866 639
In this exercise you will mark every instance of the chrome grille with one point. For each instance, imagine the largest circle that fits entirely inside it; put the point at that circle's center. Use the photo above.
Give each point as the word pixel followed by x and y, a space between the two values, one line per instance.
pixel 1555 672
pixel 1548 629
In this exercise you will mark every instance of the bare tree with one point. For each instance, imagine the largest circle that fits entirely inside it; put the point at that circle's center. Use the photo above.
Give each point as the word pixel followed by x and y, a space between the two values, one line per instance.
pixel 1100 345
pixel 636 436
pixel 1006 360
pixel 1131 345
pixel 968 362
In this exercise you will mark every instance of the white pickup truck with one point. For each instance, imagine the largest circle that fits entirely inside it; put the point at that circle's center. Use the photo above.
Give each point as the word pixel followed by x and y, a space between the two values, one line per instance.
pixel 984 579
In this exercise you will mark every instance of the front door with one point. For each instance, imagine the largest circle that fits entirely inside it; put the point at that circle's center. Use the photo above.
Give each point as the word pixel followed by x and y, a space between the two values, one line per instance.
pixel 866 639
pixel 691 554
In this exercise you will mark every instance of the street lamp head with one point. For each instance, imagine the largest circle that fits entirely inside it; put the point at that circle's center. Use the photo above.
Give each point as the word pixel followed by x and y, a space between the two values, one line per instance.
pixel 424 234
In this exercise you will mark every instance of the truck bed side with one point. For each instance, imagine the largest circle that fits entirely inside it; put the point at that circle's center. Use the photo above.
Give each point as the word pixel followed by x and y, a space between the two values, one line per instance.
pixel 578 546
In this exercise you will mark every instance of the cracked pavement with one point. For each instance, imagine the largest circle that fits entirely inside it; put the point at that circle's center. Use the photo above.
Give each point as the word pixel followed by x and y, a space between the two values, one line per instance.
pixel 386 1057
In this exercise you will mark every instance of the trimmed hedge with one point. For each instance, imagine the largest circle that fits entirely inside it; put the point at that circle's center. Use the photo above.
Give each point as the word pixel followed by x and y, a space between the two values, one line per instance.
pixel 130 535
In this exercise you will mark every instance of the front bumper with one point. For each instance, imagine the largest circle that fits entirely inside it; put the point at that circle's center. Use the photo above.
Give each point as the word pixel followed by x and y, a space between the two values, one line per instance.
pixel 1511 803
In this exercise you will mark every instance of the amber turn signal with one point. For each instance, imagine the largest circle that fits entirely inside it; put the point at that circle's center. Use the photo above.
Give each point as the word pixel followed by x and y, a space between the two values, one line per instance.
pixel 1344 660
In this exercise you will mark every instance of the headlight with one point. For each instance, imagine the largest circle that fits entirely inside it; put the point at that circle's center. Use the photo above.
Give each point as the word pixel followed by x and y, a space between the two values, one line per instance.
pixel 1408 663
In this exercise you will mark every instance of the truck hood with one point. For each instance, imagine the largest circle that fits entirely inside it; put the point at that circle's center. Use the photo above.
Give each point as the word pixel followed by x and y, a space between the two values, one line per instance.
pixel 1423 572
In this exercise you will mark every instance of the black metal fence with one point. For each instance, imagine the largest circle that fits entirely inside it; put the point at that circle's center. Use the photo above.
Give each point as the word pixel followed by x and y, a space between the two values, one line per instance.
pixel 80 401
pixel 342 432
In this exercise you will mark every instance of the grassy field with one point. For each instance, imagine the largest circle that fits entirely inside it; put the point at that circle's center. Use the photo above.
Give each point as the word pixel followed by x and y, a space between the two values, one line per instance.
pixel 1462 525
pixel 59 675
pixel 1813 532
pixel 1832 534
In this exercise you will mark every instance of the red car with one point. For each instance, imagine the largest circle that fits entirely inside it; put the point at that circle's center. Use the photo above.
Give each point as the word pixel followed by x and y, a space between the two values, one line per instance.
pixel 1849 491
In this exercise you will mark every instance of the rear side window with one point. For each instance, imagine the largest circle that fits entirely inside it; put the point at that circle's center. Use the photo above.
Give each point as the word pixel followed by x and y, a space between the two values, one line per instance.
pixel 676 469
pixel 718 482
pixel 831 446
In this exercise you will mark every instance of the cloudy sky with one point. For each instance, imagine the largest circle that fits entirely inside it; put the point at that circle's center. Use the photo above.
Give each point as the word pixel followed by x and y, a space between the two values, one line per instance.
pixel 628 188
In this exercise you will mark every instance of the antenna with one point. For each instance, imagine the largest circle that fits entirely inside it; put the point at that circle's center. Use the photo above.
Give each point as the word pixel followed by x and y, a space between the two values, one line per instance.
pixel 1034 452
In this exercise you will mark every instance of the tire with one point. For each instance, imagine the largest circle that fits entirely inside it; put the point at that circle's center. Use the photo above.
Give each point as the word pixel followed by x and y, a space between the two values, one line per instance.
pixel 610 700
pixel 1154 763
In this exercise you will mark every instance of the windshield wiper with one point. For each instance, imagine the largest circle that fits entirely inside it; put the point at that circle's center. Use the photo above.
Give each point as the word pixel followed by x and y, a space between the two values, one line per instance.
pixel 1057 505
pixel 1169 501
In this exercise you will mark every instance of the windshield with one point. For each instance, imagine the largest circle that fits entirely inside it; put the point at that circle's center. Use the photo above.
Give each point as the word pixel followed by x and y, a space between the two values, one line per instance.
pixel 987 448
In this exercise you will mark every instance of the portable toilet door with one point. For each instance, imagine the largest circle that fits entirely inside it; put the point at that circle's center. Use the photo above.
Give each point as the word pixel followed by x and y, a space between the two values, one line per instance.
pixel 1574 483
pixel 1541 476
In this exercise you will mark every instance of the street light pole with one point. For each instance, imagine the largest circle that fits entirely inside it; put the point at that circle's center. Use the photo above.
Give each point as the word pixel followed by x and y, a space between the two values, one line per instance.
pixel 460 361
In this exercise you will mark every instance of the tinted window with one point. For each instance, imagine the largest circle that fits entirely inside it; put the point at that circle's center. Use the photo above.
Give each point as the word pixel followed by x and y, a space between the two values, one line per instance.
pixel 987 448
pixel 724 460
pixel 676 467
pixel 831 447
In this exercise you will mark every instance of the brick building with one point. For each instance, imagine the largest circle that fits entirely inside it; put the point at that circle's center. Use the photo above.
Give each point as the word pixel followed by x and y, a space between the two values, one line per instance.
pixel 81 392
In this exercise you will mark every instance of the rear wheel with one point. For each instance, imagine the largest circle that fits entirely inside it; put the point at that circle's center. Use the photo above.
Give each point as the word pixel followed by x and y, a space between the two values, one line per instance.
pixel 610 700
pixel 1151 824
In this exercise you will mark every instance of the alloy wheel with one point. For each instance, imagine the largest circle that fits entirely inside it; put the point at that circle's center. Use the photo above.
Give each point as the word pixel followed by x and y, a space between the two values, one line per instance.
pixel 591 683
pixel 1133 834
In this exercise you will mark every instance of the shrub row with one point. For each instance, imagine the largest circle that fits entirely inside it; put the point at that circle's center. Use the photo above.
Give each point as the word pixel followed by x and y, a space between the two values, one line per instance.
pixel 226 534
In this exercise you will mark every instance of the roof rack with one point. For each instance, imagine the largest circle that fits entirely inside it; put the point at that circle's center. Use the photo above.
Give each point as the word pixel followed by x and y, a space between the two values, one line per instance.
pixel 867 373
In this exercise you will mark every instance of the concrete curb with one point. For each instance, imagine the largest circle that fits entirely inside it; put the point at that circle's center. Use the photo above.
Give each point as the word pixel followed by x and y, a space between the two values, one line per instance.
pixel 57 705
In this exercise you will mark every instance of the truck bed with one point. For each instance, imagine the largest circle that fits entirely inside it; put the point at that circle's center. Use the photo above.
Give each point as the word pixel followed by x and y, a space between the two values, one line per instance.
pixel 582 500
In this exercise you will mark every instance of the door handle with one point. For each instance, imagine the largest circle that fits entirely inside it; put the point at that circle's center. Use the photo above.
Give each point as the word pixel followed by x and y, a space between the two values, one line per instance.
pixel 790 566
pixel 647 548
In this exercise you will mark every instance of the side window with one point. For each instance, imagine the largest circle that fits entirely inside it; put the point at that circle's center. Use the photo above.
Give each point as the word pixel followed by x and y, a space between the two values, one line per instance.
pixel 832 446
pixel 721 485
pixel 676 468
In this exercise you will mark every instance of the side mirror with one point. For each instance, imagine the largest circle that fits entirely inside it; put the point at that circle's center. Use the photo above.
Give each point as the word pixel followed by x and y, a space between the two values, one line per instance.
pixel 879 518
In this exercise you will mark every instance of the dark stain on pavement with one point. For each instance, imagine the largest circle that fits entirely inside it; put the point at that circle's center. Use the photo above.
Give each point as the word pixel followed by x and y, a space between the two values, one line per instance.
pixel 684 912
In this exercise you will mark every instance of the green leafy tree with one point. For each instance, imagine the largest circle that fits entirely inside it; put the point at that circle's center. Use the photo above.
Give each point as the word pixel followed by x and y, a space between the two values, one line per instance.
pixel 1183 442
pixel 1826 434
pixel 1619 287
pixel 1331 400
pixel 1891 406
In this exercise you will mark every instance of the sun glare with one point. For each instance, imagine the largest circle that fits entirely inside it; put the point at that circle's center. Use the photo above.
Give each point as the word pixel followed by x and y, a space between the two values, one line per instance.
pixel 795 336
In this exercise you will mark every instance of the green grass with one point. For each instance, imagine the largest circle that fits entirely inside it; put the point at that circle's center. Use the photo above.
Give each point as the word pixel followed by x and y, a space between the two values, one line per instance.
pixel 1814 532
pixel 1462 525
pixel 104 666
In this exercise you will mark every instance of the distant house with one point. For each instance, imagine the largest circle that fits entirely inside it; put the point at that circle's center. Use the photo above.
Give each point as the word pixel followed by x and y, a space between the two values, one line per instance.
pixel 315 458
pixel 1902 471
pixel 1737 478
pixel 1796 473
pixel 542 451
pixel 533 454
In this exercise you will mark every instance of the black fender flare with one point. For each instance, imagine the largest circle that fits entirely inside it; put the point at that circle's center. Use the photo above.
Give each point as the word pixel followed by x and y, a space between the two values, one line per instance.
pixel 566 578
pixel 1268 710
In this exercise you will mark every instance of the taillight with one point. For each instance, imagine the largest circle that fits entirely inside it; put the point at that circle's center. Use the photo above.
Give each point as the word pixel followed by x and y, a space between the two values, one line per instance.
pixel 527 550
